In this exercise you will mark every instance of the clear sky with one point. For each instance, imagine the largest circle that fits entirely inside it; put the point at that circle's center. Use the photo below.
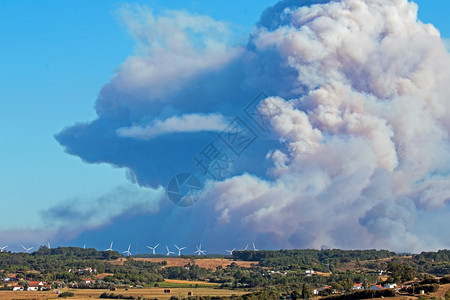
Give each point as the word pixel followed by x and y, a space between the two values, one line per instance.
pixel 55 56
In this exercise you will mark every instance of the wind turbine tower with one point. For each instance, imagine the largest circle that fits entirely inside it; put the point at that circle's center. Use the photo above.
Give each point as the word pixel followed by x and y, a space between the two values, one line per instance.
pixel 127 252
pixel 168 251
pixel 254 248
pixel 230 251
pixel 179 249
pixel 153 248
pixel 200 251
pixel 27 250
pixel 110 247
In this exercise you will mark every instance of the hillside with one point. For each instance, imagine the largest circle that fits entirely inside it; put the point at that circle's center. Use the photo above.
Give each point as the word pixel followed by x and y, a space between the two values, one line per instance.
pixel 265 273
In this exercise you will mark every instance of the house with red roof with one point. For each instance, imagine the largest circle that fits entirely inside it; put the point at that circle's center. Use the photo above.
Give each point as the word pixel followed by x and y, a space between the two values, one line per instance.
pixel 17 288
pixel 89 281
pixel 376 287
pixel 358 286
pixel 38 285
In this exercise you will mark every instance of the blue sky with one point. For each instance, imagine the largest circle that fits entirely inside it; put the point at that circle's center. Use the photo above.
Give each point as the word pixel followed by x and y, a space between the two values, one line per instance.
pixel 55 58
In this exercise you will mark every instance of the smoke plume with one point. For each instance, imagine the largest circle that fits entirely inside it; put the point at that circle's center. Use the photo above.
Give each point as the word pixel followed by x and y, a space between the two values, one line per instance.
pixel 357 153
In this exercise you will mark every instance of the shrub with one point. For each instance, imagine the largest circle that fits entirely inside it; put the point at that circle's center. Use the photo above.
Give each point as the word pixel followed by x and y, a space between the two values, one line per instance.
pixel 66 294
pixel 366 294
pixel 428 288
pixel 106 295
pixel 430 281
pixel 444 280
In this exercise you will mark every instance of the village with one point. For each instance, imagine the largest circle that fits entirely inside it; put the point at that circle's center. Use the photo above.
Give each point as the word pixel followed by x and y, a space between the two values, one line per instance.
pixel 17 282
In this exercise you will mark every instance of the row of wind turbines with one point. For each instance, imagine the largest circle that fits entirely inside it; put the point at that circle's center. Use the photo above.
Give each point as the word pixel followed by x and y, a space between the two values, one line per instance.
pixel 128 252
pixel 168 253
pixel 27 250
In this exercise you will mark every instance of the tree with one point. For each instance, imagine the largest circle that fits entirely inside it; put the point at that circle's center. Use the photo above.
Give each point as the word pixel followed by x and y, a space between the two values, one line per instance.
pixel 332 268
pixel 296 295
pixel 347 284
pixel 400 272
pixel 305 292
pixel 337 286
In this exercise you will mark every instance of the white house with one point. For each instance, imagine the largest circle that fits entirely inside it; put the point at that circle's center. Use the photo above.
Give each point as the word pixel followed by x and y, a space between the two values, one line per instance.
pixel 82 271
pixel 38 285
pixel 89 281
pixel 318 291
pixel 11 277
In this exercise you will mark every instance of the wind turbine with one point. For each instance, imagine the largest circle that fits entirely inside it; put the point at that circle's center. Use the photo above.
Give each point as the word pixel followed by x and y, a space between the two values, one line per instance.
pixel 128 253
pixel 246 247
pixel 200 251
pixel 230 251
pixel 153 248
pixel 3 248
pixel 84 246
pixel 110 247
pixel 168 251
pixel 48 245
pixel 254 248
pixel 179 249
pixel 27 250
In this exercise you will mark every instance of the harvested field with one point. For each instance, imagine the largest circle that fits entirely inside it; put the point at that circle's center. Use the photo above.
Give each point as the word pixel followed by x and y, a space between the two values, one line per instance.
pixel 145 292
pixel 443 289
pixel 207 263
pixel 103 275
pixel 190 282
pixel 324 274
pixel 352 264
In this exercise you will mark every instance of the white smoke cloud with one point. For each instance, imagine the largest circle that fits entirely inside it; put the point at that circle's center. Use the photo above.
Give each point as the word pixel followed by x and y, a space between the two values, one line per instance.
pixel 171 50
pixel 63 222
pixel 175 124
pixel 91 213
pixel 361 131
pixel 14 238
pixel 447 43
pixel 373 103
